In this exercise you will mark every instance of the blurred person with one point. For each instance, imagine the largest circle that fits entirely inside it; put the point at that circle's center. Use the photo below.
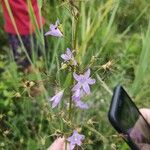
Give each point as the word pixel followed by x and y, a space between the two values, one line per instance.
pixel 25 28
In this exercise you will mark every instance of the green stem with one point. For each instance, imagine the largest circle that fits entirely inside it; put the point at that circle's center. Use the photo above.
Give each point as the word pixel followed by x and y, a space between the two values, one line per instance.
pixel 73 32
pixel 97 133
pixel 65 145
pixel 70 101
pixel 74 28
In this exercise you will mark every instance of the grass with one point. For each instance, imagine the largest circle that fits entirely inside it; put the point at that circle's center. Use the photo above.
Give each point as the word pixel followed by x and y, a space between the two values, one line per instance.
pixel 105 30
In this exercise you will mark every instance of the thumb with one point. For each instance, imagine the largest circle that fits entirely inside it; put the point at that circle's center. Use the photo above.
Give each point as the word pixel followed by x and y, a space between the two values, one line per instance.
pixel 58 144
pixel 144 146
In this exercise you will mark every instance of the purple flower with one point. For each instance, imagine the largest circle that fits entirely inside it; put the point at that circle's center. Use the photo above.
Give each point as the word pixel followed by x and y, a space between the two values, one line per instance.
pixel 77 99
pixel 78 94
pixel 82 105
pixel 54 30
pixel 76 138
pixel 84 81
pixel 68 56
pixel 56 98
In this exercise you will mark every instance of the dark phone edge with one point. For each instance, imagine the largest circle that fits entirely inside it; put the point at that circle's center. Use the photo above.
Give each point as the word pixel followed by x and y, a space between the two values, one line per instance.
pixel 112 114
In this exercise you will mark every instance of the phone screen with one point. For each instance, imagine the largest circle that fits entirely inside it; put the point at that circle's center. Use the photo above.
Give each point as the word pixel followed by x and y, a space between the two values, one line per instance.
pixel 135 127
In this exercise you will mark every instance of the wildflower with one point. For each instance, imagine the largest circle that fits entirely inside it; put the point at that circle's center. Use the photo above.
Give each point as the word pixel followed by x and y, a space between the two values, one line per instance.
pixel 68 56
pixel 54 30
pixel 82 105
pixel 84 81
pixel 78 94
pixel 77 99
pixel 76 138
pixel 56 98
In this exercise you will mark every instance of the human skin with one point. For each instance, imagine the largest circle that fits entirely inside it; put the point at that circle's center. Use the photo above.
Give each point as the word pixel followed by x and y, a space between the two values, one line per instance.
pixel 142 129
pixel 58 144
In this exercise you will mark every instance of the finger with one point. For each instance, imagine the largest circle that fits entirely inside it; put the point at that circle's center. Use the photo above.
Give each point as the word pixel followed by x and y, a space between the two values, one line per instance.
pixel 141 129
pixel 58 144
pixel 144 146
pixel 146 114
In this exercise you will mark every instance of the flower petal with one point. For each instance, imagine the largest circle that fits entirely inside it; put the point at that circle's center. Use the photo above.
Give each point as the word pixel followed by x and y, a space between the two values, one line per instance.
pixel 76 138
pixel 54 31
pixel 65 57
pixel 77 93
pixel 76 87
pixel 76 77
pixel 75 98
pixel 72 146
pixel 91 81
pixel 82 105
pixel 56 99
pixel 87 73
pixel 52 98
pixel 69 53
pixel 48 33
pixel 52 27
pixel 86 88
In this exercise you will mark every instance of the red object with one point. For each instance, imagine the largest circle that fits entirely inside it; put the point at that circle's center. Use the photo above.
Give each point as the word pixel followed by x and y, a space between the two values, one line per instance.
pixel 20 12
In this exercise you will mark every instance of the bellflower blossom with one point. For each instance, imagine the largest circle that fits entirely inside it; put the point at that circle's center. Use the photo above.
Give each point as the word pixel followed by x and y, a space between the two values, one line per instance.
pixel 78 94
pixel 75 139
pixel 56 98
pixel 82 105
pixel 54 30
pixel 83 82
pixel 77 100
pixel 68 56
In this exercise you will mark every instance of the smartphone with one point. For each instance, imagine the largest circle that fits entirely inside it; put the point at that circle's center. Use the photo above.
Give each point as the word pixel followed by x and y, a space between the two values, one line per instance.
pixel 126 118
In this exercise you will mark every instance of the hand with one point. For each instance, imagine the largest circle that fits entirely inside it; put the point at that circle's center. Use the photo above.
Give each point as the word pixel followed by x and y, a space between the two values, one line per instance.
pixel 141 131
pixel 146 114
pixel 58 144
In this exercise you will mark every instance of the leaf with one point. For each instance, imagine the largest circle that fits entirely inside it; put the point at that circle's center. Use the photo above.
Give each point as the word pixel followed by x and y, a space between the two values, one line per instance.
pixel 143 63
pixel 68 80
pixel 32 145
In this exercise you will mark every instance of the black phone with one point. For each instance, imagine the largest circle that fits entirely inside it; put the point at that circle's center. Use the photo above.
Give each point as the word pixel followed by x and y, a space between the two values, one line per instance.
pixel 126 118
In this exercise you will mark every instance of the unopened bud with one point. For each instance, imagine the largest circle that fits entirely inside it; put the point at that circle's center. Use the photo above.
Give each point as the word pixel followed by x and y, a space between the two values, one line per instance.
pixel 21 140
pixel 63 66
pixel 43 141
pixel 6 132
pixel 32 83
pixel 17 95
pixel 1 116
pixel 93 59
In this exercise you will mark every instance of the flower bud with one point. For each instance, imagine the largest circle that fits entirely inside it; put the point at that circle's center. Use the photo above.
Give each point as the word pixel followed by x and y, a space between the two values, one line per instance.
pixel 63 66
pixel 18 95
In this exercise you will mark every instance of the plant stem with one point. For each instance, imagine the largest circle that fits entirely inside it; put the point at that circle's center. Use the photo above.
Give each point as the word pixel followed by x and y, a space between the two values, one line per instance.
pixel 70 98
pixel 97 133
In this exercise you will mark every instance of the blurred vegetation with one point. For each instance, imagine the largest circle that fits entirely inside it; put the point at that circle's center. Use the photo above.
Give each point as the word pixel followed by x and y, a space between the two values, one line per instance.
pixel 115 30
